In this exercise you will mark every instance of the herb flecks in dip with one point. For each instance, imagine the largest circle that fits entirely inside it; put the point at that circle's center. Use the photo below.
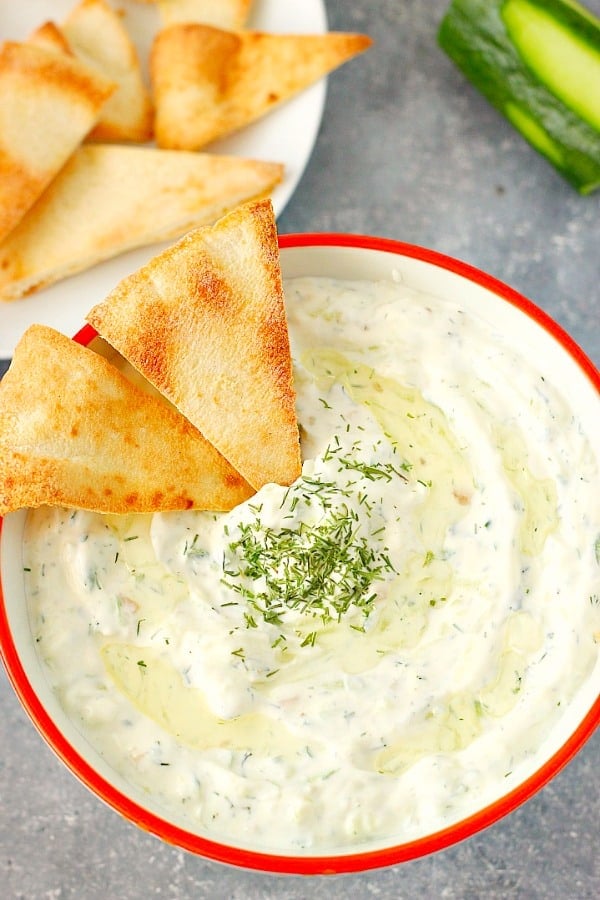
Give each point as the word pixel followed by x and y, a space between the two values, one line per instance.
pixel 369 654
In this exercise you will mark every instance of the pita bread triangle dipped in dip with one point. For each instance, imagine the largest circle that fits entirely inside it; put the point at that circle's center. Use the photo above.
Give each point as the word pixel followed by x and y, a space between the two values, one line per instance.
pixel 208 83
pixel 75 432
pixel 205 323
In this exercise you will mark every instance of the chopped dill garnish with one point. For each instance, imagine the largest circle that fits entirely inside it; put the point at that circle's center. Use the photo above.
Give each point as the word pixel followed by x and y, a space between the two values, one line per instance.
pixel 320 569
pixel 194 550
pixel 325 567
pixel 309 640
pixel 93 581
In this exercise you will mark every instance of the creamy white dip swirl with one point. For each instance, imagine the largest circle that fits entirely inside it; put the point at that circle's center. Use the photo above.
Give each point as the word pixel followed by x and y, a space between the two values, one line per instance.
pixel 377 650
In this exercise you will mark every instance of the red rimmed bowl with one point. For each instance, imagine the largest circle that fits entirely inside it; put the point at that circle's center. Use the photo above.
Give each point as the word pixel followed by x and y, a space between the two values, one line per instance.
pixel 531 333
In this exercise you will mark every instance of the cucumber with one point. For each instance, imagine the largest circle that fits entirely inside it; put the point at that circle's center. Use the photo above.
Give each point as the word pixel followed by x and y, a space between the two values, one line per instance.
pixel 538 62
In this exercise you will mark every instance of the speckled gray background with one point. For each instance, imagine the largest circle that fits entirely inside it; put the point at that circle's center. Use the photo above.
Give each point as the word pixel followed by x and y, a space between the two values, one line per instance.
pixel 408 150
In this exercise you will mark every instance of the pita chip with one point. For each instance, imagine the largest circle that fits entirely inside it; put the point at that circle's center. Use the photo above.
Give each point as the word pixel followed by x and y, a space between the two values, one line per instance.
pixel 229 14
pixel 95 32
pixel 75 432
pixel 209 83
pixel 205 323
pixel 110 198
pixel 49 101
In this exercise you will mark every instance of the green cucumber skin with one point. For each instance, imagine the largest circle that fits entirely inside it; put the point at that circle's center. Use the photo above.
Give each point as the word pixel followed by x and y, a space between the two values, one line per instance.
pixel 474 36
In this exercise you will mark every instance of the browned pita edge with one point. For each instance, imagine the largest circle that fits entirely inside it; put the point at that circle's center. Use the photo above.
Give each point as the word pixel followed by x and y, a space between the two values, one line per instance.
pixel 75 432
pixel 96 33
pixel 208 83
pixel 205 323
pixel 228 14
pixel 50 36
pixel 112 198
pixel 49 101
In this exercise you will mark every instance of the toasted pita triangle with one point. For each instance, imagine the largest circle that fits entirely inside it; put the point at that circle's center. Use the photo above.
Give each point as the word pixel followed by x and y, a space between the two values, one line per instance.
pixel 48 103
pixel 228 14
pixel 75 432
pixel 111 198
pixel 97 35
pixel 208 82
pixel 205 323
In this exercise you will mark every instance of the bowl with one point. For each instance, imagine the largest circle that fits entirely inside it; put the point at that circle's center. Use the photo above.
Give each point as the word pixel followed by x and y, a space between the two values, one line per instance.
pixel 560 368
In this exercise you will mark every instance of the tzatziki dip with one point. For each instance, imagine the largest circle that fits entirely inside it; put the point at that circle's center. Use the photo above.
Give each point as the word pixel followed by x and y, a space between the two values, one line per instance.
pixel 376 651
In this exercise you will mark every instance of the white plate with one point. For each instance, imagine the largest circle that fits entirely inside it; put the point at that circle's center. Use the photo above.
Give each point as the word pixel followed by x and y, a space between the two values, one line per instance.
pixel 286 135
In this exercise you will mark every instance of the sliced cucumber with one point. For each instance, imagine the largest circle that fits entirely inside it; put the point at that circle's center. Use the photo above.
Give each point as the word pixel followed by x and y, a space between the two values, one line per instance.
pixel 538 62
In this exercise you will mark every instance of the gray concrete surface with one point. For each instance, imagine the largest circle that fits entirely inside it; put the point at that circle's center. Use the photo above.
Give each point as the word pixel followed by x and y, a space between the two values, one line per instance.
pixel 409 150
